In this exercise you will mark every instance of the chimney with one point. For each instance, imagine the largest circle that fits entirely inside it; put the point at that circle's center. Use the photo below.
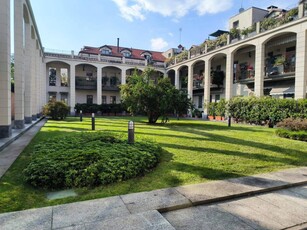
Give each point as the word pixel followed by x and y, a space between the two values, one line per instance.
pixel 117 45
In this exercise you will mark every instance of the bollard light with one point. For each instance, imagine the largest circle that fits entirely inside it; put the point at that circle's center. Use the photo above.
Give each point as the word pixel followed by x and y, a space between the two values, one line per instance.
pixel 93 121
pixel 80 115
pixel 229 121
pixel 131 132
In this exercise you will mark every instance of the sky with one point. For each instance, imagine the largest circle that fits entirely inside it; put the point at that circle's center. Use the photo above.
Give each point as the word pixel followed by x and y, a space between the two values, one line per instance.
pixel 158 25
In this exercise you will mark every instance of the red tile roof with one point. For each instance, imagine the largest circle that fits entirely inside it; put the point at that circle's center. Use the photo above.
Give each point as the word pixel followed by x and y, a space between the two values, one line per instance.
pixel 136 53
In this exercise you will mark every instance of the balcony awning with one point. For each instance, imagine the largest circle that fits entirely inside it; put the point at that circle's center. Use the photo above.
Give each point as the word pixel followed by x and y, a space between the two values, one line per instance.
pixel 282 89
pixel 218 33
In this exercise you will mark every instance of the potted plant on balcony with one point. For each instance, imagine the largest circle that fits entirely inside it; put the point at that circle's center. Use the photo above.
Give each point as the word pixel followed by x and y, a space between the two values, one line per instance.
pixel 221 40
pixel 234 34
pixel 280 63
pixel 244 33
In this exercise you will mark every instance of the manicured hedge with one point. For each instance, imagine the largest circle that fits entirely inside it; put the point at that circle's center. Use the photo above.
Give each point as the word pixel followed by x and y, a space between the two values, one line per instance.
pixel 89 159
pixel 104 108
pixel 295 135
pixel 261 110
pixel 293 128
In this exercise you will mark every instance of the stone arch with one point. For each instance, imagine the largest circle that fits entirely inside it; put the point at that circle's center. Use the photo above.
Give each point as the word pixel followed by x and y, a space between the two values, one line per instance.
pixel 183 72
pixel 26 15
pixel 244 57
pixel 171 75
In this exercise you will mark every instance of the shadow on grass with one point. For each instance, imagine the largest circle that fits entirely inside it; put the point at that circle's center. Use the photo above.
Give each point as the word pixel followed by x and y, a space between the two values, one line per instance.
pixel 205 172
pixel 256 156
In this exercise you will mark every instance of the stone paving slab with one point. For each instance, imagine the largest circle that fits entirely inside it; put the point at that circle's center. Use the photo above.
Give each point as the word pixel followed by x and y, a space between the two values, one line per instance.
pixel 257 212
pixel 211 191
pixel 155 200
pixel 34 219
pixel 88 211
pixel 289 202
pixel 151 220
pixel 205 217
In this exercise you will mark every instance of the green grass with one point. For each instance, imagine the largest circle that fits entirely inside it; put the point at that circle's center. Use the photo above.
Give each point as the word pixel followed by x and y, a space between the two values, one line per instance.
pixel 195 152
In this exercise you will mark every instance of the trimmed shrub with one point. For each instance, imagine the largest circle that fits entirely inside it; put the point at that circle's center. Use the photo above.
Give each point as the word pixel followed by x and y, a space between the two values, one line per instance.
pixel 295 135
pixel 104 108
pixel 89 159
pixel 293 124
pixel 57 110
pixel 264 109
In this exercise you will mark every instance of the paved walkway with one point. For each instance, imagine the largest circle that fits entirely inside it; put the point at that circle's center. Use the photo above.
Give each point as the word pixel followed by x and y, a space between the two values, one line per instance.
pixel 21 138
pixel 268 201
pixel 275 200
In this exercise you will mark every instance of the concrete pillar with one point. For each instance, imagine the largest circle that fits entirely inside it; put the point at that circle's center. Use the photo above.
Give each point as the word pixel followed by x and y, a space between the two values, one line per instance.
pixel 229 77
pixel 177 78
pixel 301 9
pixel 259 69
pixel 5 70
pixel 28 74
pixel 33 74
pixel 207 79
pixel 190 81
pixel 123 76
pixel 19 74
pixel 72 98
pixel 37 63
pixel 300 65
pixel 99 85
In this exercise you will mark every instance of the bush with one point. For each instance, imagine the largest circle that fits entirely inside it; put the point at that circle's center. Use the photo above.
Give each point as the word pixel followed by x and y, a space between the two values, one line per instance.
pixel 295 135
pixel 264 109
pixel 293 124
pixel 103 108
pixel 89 159
pixel 57 110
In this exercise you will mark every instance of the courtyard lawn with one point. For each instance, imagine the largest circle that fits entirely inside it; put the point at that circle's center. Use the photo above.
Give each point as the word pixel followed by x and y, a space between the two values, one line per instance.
pixel 195 152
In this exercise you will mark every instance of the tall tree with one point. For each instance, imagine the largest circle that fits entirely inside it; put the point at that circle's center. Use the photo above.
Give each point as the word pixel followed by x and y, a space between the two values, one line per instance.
pixel 143 94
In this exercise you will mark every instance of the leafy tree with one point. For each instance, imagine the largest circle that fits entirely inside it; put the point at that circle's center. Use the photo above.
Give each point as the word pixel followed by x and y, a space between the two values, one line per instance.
pixel 142 95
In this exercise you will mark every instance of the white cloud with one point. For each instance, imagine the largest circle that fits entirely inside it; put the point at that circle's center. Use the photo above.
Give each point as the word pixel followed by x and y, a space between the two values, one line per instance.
pixel 158 44
pixel 171 34
pixel 129 12
pixel 136 9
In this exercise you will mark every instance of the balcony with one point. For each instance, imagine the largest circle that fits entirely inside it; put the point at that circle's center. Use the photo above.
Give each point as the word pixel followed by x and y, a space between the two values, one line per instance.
pixel 86 83
pixel 198 84
pixel 102 58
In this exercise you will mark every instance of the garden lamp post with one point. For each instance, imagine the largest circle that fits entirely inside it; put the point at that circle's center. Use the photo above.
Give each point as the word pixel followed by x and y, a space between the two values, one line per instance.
pixel 131 132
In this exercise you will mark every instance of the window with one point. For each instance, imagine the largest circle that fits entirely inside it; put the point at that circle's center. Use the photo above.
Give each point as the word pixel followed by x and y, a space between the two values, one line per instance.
pixel 126 54
pixel 52 76
pixel 235 24
pixel 113 81
pixel 64 98
pixel 200 101
pixel 217 98
pixel 113 99
pixel 169 55
pixel 64 77
pixel 105 52
pixel 104 99
pixel 89 99
pixel 52 96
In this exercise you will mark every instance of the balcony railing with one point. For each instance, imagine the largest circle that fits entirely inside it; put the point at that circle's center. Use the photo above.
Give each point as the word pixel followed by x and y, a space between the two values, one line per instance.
pixel 86 83
pixel 104 59
pixel 198 84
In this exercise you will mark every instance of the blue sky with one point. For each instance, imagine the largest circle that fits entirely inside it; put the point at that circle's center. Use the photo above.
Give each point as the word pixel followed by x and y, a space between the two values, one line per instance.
pixel 145 24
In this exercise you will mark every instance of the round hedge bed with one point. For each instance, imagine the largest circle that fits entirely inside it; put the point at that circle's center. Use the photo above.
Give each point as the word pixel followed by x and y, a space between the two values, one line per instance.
pixel 89 159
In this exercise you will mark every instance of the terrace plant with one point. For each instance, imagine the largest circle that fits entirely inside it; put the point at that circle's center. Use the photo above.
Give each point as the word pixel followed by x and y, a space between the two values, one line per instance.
pixel 234 33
